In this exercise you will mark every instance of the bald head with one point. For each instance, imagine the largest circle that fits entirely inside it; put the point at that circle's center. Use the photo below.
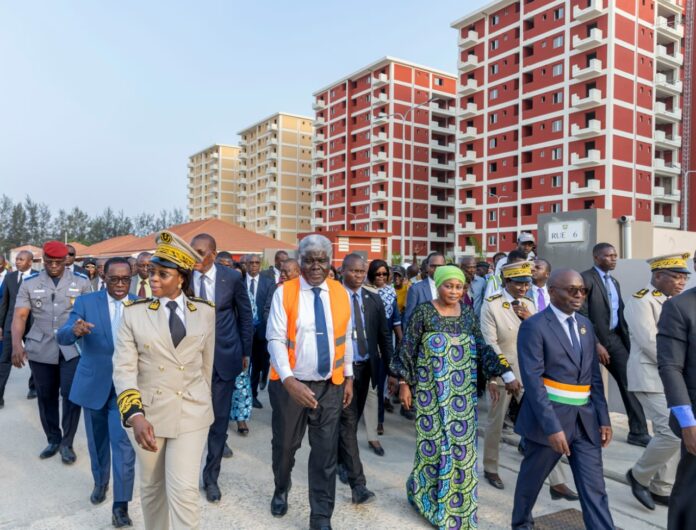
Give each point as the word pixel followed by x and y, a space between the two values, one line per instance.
pixel 563 277
pixel 566 290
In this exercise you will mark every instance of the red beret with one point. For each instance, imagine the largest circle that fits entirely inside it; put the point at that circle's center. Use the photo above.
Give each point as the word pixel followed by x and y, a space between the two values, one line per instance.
pixel 55 249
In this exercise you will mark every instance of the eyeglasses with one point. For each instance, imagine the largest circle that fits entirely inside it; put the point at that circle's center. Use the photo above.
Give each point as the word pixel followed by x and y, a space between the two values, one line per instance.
pixel 573 291
pixel 254 262
pixel 381 274
pixel 71 254
pixel 322 262
pixel 115 280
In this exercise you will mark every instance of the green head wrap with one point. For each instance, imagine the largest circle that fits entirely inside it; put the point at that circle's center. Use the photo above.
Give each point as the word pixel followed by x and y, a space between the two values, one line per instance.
pixel 448 272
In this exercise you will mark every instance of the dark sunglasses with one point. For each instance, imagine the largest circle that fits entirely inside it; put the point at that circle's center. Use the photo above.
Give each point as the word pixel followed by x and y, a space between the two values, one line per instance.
pixel 573 291
pixel 71 254
pixel 381 274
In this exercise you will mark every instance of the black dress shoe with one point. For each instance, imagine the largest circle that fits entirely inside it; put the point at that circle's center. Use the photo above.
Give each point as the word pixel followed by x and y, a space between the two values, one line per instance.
pixel 640 492
pixel 67 455
pixel 262 385
pixel 51 449
pixel 212 493
pixel 494 480
pixel 662 500
pixel 120 519
pixel 362 495
pixel 388 406
pixel 256 404
pixel 376 448
pixel 31 394
pixel 98 494
pixel 408 414
pixel 342 473
pixel 641 440
pixel 279 503
pixel 561 491
pixel 227 452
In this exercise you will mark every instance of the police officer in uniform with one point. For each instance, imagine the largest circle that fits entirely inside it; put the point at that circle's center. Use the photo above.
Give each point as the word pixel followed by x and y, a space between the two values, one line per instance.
pixel 501 316
pixel 163 364
pixel 48 297
pixel 652 476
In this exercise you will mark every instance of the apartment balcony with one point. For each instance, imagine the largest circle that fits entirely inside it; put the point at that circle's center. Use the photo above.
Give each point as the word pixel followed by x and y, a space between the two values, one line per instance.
pixel 471 38
pixel 319 104
pixel 318 154
pixel 242 180
pixel 672 59
pixel 469 133
pixel 316 222
pixel 442 238
pixel 663 113
pixel 319 121
pixel 215 155
pixel 381 156
pixel 318 138
pixel 662 194
pixel 445 165
pixel 380 138
pixel 469 87
pixel 593 69
pixel 190 165
pixel 242 142
pixel 317 188
pixel 660 167
pixel 272 184
pixel 436 201
pixel 594 39
pixel 378 196
pixel 242 218
pixel 671 87
pixel 447 148
pixel 316 204
pixel 593 99
pixel 468 227
pixel 379 176
pixel 242 193
pixel 592 158
pixel 272 170
pixel 593 128
pixel 468 250
pixel 448 219
pixel 444 129
pixel 470 63
pixel 673 30
pixel 469 157
pixel 593 10
pixel 593 187
pixel 468 111
pixel 466 181
pixel 381 119
pixel 379 215
pixel 445 184
pixel 380 80
pixel 442 111
pixel 467 204
pixel 662 221
pixel 667 141
pixel 318 172
pixel 380 99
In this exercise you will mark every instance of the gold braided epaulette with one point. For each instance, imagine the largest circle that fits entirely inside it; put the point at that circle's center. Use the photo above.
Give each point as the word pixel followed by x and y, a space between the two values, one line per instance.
pixel 128 303
pixel 129 402
pixel 201 300
pixel 494 297
pixel 640 294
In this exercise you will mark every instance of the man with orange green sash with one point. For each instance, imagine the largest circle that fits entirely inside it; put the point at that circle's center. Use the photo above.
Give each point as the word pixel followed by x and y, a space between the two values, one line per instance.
pixel 564 411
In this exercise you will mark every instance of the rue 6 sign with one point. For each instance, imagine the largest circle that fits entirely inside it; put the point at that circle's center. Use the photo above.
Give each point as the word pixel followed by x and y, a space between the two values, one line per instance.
pixel 567 232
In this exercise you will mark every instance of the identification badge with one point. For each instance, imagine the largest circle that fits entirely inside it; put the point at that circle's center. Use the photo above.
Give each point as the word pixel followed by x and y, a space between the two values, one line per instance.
pixel 37 302
pixel 39 291
pixel 71 289
pixel 506 305
pixel 583 330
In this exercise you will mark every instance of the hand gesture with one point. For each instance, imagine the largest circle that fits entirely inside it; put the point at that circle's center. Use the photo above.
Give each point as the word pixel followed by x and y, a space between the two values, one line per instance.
pixel 81 328
pixel 521 310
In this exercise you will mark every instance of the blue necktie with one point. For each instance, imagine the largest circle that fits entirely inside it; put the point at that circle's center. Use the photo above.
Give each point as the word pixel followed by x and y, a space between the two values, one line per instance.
pixel 118 307
pixel 577 349
pixel 323 350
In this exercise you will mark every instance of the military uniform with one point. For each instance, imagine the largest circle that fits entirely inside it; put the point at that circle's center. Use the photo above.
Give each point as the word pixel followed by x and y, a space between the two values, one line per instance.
pixel 166 376
pixel 52 366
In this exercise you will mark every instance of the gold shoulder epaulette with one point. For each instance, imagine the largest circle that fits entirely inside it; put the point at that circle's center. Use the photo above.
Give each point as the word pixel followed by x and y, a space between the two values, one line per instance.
pixel 640 294
pixel 657 293
pixel 129 303
pixel 202 301
pixel 494 297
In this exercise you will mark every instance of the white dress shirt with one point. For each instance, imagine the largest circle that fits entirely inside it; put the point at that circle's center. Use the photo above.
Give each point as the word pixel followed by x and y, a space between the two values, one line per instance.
pixel 209 283
pixel 433 288
pixel 112 305
pixel 563 319
pixel 306 358
pixel 3 273
pixel 534 295
pixel 179 309
pixel 276 273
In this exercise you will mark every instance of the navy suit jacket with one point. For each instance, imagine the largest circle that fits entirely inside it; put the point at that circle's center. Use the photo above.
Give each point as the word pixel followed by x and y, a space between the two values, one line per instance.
pixel 265 287
pixel 94 375
pixel 418 293
pixel 234 328
pixel 544 350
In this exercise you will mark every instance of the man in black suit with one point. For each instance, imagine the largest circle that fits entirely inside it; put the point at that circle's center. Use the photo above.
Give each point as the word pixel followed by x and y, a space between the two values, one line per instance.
pixel 605 309
pixel 70 261
pixel 274 272
pixel 260 288
pixel 8 297
pixel 372 341
pixel 676 361
pixel 233 334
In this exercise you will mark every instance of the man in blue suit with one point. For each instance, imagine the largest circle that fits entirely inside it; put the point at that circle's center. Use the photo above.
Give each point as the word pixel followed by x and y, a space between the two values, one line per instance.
pixel 563 411
pixel 93 323
pixel 424 290
pixel 233 333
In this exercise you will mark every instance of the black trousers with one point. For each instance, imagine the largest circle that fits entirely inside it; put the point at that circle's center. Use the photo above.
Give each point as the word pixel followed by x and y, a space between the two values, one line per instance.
pixel 682 509
pixel 217 435
pixel 289 422
pixel 52 380
pixel 348 452
pixel 6 363
pixel 260 363
pixel 617 368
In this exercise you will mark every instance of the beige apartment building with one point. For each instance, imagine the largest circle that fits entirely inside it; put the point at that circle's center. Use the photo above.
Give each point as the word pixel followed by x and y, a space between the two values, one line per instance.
pixel 213 183
pixel 275 168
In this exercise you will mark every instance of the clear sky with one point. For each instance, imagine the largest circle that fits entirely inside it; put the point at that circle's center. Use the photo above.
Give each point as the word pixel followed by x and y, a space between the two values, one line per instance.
pixel 102 102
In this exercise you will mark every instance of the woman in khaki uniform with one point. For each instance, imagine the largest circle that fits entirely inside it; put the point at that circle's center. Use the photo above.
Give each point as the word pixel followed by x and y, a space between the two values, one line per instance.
pixel 162 371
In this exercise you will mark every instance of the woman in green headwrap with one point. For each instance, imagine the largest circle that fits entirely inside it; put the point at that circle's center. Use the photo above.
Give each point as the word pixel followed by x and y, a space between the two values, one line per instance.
pixel 438 359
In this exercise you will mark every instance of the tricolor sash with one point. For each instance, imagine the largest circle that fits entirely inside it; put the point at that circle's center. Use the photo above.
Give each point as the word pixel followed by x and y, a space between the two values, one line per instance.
pixel 577 395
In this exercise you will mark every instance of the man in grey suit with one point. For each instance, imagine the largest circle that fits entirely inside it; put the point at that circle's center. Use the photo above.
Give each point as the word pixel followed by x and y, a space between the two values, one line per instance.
pixel 140 282
pixel 423 291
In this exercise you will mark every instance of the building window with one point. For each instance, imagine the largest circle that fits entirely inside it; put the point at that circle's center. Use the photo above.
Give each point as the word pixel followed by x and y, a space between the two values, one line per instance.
pixel 491 241
pixel 556 181
pixel 558 70
pixel 495 44
pixel 558 13
pixel 439 81
pixel 494 93
pixel 495 68
pixel 492 215
pixel 557 153
pixel 555 208
pixel 492 167
pixel 557 126
pixel 492 143
pixel 495 20
pixel 558 42
pixel 558 97
pixel 494 118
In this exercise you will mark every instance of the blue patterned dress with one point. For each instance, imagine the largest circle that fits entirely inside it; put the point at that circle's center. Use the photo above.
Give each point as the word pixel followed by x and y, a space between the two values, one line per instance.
pixel 438 357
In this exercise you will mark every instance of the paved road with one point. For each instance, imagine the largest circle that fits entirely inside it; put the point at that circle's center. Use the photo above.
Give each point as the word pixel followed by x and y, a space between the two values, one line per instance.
pixel 48 495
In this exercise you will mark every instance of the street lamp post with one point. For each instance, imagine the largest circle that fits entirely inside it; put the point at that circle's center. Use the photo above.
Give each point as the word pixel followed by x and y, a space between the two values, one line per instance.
pixel 497 221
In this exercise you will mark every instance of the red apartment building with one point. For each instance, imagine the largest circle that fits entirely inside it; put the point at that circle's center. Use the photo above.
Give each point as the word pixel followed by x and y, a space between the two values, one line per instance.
pixel 568 105
pixel 372 128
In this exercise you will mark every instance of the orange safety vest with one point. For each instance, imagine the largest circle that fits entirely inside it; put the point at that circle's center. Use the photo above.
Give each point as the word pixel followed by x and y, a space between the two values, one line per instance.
pixel 340 315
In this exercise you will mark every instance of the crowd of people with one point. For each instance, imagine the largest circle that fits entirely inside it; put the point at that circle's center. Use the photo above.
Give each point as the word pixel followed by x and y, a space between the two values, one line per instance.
pixel 163 353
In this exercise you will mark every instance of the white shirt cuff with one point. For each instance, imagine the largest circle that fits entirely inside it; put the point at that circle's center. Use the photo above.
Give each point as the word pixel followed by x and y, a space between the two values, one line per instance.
pixel 508 377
